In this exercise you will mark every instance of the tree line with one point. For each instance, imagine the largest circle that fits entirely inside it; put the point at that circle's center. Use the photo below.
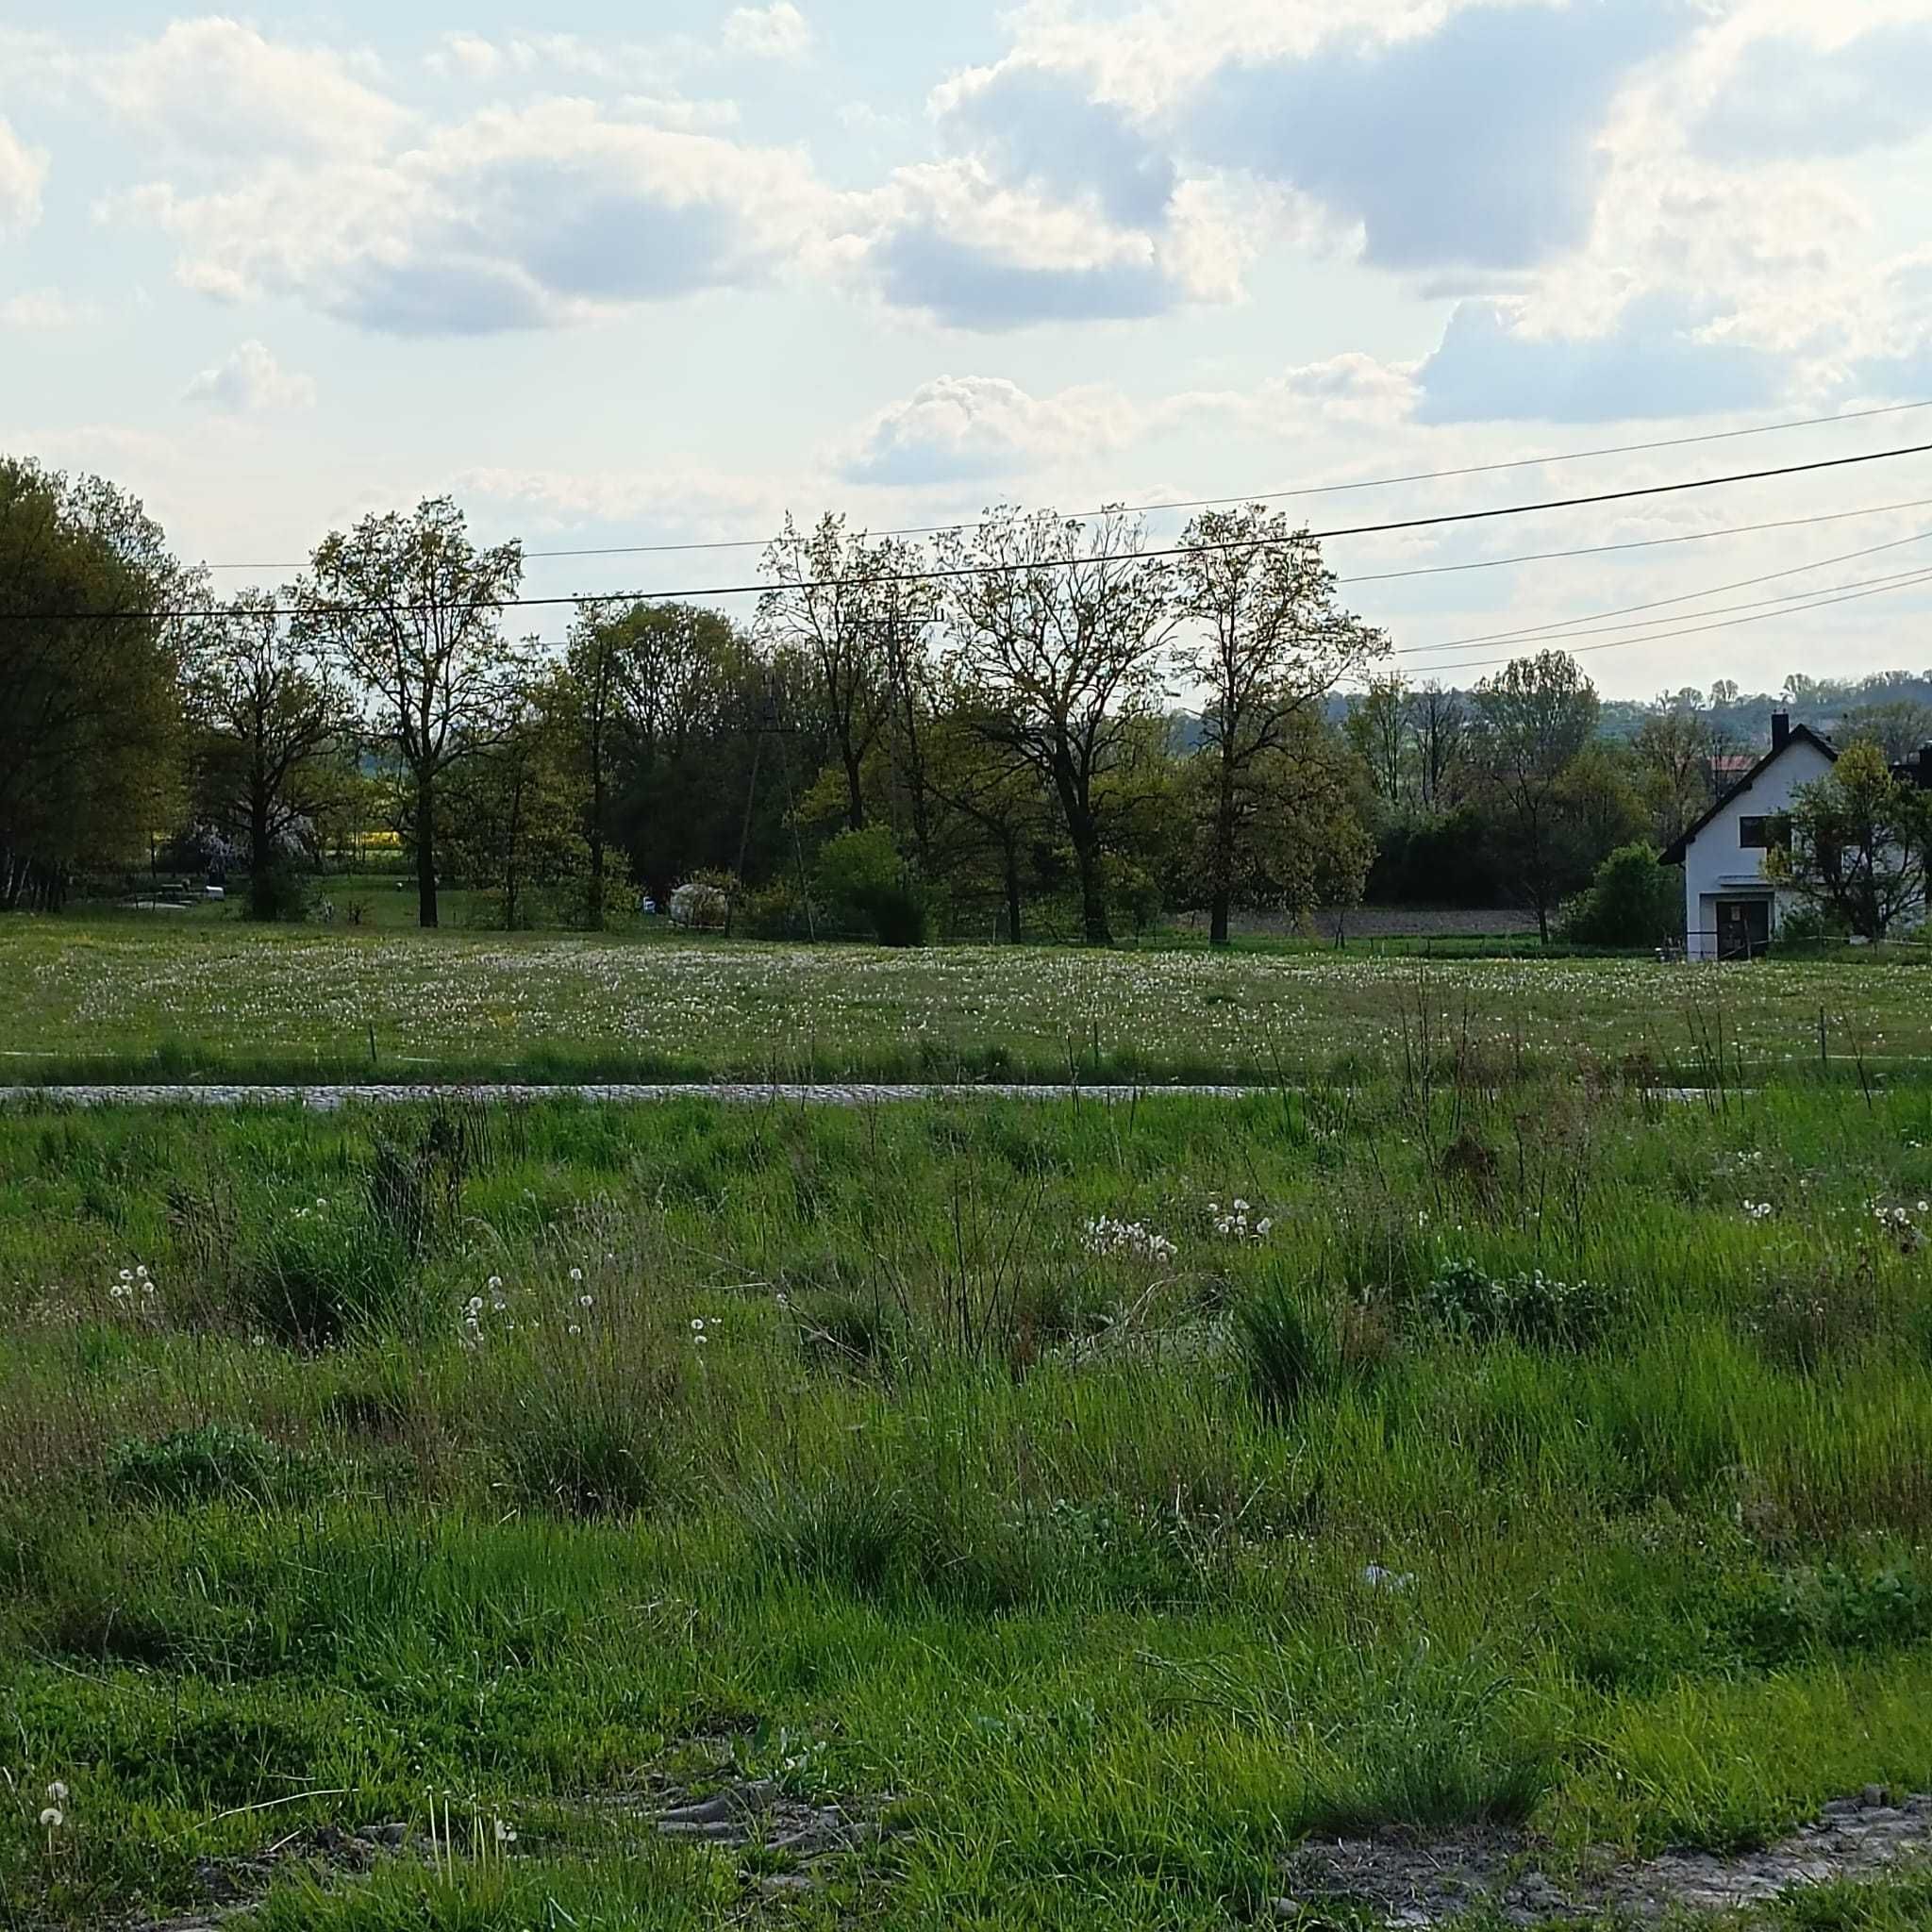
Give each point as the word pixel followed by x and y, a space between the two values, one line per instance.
pixel 1032 725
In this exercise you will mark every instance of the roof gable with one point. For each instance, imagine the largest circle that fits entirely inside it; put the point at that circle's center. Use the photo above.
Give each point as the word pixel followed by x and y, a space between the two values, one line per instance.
pixel 1674 854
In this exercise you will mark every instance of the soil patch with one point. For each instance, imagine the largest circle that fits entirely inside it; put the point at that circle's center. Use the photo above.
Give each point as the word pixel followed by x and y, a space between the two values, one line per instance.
pixel 1434 1883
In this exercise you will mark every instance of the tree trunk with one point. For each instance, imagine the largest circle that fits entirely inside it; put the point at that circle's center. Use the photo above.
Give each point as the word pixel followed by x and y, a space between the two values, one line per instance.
pixel 595 907
pixel 855 795
pixel 1010 854
pixel 1222 900
pixel 260 891
pixel 426 850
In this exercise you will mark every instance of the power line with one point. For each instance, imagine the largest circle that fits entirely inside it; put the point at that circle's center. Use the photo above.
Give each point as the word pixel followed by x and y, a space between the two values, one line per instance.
pixel 944 574
pixel 1829 516
pixel 1887 588
pixel 1575 455
pixel 1561 628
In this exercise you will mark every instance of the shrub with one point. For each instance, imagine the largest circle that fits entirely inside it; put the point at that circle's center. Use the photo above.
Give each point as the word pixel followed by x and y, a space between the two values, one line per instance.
pixel 777 912
pixel 1534 1308
pixel 282 892
pixel 1634 900
pixel 199 1465
pixel 700 905
pixel 864 882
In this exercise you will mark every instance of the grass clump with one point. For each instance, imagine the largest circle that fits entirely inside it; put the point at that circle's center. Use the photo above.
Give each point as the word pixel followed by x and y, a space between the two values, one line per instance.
pixel 213 1462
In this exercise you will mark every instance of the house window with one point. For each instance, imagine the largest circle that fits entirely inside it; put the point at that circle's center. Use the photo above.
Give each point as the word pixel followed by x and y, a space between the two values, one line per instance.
pixel 1759 835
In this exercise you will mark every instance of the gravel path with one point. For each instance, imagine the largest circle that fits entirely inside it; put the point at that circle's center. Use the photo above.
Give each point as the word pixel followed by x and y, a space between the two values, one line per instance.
pixel 497 1093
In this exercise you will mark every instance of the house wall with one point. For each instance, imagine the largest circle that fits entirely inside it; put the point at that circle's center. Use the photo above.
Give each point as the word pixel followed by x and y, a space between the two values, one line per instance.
pixel 1716 866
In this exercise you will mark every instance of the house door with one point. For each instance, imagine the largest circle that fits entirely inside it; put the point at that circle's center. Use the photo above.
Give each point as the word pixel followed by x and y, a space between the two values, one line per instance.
pixel 1743 929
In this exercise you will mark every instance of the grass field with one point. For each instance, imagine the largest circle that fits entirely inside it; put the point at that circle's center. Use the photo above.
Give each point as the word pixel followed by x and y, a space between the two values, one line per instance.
pixel 121 999
pixel 1077 1506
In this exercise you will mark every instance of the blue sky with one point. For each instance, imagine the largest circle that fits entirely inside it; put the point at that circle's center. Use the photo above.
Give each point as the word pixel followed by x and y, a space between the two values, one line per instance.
pixel 632 273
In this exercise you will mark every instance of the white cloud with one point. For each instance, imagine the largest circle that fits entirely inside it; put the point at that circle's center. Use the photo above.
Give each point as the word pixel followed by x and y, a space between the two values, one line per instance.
pixel 216 88
pixel 972 253
pixel 469 55
pixel 1786 97
pixel 46 309
pixel 778 32
pixel 23 174
pixel 964 427
pixel 516 218
pixel 249 381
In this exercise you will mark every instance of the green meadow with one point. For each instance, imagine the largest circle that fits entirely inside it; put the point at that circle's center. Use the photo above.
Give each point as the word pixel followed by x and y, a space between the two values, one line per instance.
pixel 1086 1503
pixel 125 998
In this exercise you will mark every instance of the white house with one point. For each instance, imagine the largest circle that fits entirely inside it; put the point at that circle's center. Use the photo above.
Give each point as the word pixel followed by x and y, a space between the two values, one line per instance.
pixel 1731 911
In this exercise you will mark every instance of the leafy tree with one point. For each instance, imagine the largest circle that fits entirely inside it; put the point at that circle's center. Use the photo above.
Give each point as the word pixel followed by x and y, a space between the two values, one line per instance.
pixel 90 738
pixel 1532 719
pixel 273 721
pixel 862 876
pixel 411 610
pixel 1857 844
pixel 1060 633
pixel 1273 643
pixel 1304 841
pixel 648 684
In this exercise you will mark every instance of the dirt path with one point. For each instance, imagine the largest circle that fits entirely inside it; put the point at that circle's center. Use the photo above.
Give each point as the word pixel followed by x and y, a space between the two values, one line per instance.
pixel 1433 1883
pixel 495 1093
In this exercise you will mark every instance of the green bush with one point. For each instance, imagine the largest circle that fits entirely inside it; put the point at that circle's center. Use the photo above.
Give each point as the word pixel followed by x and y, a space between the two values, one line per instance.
pixel 863 882
pixel 199 1465
pixel 1535 1309
pixel 1634 900
pixel 777 912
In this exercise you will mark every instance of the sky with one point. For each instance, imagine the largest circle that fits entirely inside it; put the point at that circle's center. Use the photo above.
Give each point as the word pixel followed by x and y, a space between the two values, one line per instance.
pixel 662 274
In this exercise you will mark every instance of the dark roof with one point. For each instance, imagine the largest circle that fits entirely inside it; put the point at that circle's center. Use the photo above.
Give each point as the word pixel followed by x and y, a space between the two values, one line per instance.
pixel 1674 854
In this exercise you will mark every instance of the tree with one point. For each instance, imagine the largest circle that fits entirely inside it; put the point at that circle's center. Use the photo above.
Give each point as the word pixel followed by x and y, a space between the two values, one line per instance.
pixel 90 707
pixel 1273 643
pixel 1439 724
pixel 643 680
pixel 1898 726
pixel 412 611
pixel 1857 844
pixel 1377 728
pixel 850 610
pixel 515 813
pixel 1674 750
pixel 270 717
pixel 1059 632
pixel 1532 718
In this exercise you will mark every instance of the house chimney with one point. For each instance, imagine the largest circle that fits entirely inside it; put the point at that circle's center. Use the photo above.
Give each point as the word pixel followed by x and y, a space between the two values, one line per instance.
pixel 1780 730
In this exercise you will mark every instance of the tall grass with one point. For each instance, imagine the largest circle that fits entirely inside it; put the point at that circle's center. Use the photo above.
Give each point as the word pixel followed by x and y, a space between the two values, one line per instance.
pixel 557 1449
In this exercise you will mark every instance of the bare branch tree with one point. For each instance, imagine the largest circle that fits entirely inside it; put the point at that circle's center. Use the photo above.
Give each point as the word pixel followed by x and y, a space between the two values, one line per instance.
pixel 1060 632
